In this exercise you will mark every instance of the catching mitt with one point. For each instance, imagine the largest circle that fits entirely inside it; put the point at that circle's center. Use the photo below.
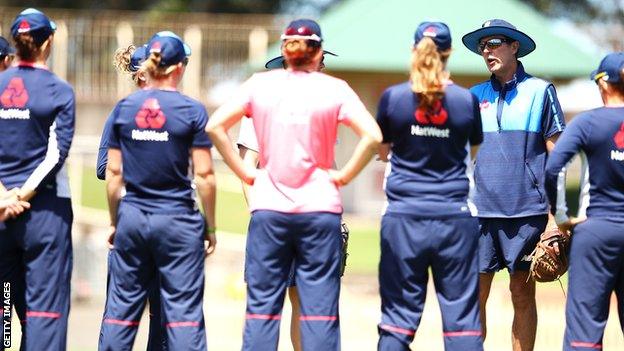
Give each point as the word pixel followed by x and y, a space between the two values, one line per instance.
pixel 550 257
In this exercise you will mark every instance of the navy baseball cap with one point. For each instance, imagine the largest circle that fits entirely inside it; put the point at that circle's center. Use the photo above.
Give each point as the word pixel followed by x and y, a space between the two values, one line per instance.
pixel 35 23
pixel 278 62
pixel 138 56
pixel 170 46
pixel 610 68
pixel 499 27
pixel 5 47
pixel 303 29
pixel 439 32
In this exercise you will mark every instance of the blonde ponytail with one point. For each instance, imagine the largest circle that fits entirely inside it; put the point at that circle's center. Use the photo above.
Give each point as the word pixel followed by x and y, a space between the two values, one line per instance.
pixel 428 75
pixel 153 68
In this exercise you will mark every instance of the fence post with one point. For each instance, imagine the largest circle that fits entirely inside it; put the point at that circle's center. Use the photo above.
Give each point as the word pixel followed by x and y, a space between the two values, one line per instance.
pixel 191 82
pixel 125 36
pixel 258 44
pixel 60 50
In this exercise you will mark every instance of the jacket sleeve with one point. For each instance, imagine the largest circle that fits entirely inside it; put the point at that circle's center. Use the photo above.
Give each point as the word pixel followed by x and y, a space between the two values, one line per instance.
pixel 569 144
pixel 102 157
pixel 60 138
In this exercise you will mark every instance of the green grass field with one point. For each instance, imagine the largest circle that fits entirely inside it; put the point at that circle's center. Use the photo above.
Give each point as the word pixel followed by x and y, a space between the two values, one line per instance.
pixel 233 217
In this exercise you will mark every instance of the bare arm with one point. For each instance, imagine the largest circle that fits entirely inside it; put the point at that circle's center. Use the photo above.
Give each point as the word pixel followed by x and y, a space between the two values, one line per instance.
pixel 222 120
pixel 366 128
pixel 384 152
pixel 114 184
pixel 250 159
pixel 473 151
pixel 205 182
pixel 550 142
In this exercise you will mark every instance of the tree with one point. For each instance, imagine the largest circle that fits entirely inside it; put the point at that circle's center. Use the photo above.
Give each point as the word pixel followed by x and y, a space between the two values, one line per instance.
pixel 602 19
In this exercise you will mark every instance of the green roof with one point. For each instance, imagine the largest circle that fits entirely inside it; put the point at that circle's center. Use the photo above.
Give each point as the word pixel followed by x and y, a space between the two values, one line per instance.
pixel 376 35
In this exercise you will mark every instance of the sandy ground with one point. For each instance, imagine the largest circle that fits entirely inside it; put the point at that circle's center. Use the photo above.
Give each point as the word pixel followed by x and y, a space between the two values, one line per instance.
pixel 224 308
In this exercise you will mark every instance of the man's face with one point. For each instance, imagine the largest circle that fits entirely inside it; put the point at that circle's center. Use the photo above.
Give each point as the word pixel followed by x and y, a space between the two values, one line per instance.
pixel 498 52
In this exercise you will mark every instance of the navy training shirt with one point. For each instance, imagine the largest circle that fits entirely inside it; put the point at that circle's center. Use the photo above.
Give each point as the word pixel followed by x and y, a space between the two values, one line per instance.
pixel 37 116
pixel 430 152
pixel 599 135
pixel 102 156
pixel 155 130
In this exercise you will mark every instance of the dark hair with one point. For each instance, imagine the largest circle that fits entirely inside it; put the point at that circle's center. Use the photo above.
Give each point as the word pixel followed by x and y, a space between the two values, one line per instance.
pixel 27 48
pixel 300 52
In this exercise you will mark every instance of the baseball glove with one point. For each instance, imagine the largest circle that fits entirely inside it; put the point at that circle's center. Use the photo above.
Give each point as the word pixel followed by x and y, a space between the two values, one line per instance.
pixel 344 232
pixel 550 257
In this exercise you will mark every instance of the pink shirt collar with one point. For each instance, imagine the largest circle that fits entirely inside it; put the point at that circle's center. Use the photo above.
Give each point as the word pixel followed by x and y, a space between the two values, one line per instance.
pixel 31 65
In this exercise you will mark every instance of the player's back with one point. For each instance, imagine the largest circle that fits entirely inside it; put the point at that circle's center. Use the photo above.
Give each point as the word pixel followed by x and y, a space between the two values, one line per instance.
pixel 296 116
pixel 429 149
pixel 603 131
pixel 36 119
pixel 155 130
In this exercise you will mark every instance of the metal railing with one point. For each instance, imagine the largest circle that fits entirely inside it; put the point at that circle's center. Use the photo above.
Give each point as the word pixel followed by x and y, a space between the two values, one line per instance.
pixel 89 39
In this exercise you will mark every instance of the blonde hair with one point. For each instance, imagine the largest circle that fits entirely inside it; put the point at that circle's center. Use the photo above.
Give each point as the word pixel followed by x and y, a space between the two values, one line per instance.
pixel 299 52
pixel 428 74
pixel 122 61
pixel 153 68
pixel 123 58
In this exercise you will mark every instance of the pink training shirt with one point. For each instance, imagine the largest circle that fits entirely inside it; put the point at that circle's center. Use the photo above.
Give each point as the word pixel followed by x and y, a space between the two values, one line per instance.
pixel 295 116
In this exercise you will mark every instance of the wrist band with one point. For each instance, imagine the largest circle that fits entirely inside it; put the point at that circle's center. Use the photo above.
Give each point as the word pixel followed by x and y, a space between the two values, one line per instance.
pixel 211 230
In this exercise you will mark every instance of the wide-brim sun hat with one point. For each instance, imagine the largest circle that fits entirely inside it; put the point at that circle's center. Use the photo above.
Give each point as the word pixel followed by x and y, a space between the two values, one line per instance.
pixel 499 27
pixel 278 62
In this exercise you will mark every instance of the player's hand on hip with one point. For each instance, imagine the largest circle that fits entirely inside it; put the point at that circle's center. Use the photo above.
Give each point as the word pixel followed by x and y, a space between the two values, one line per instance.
pixel 211 243
pixel 337 177
pixel 111 236
pixel 250 175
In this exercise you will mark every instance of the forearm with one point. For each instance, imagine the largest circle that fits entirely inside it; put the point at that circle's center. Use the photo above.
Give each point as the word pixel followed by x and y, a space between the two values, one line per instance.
pixel 206 188
pixel 114 184
pixel 222 142
pixel 364 151
pixel 26 194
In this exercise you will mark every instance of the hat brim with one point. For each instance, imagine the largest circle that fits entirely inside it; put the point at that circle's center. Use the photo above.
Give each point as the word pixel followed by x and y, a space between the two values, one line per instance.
pixel 278 62
pixel 471 40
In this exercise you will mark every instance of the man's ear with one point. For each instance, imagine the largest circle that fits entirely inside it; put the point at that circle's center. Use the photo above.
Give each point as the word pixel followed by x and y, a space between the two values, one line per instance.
pixel 515 46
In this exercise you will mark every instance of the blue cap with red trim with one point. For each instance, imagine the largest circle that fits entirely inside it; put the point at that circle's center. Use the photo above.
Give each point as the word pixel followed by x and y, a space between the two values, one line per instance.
pixel 439 32
pixel 35 23
pixel 303 29
pixel 170 46
pixel 138 56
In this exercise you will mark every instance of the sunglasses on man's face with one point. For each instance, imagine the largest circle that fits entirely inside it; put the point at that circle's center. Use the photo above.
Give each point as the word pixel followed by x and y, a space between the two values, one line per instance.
pixel 492 44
